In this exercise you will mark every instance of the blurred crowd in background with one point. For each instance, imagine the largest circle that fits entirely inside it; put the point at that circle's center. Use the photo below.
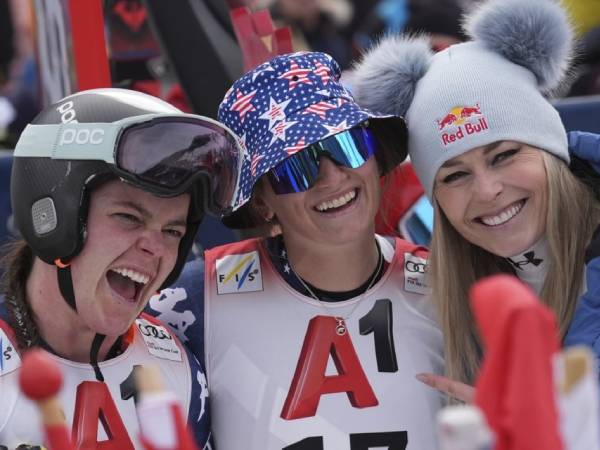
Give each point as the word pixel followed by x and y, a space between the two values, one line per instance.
pixel 36 68
pixel 342 28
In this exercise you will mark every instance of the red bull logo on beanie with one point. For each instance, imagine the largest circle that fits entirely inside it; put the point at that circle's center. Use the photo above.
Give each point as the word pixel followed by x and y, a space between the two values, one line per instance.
pixel 460 122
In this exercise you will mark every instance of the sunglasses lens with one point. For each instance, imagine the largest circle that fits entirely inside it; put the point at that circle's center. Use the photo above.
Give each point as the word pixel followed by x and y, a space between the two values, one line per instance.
pixel 298 173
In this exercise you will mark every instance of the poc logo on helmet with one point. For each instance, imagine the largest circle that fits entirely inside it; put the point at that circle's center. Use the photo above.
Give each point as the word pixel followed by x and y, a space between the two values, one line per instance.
pixel 67 112
pixel 81 136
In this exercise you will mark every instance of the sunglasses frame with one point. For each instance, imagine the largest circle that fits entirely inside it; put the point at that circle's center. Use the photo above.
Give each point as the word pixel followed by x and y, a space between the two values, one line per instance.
pixel 281 187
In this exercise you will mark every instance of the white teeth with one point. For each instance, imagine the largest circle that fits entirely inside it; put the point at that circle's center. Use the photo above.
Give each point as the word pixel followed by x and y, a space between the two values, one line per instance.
pixel 337 202
pixel 504 216
pixel 132 274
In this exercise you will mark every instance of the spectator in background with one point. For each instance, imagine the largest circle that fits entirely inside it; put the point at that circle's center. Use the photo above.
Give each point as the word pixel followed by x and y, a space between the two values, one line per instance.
pixel 18 91
pixel 7 48
pixel 587 81
pixel 317 25
pixel 585 16
pixel 440 20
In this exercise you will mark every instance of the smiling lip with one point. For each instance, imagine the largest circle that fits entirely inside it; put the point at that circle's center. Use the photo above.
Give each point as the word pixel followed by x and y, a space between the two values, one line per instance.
pixel 503 216
pixel 338 203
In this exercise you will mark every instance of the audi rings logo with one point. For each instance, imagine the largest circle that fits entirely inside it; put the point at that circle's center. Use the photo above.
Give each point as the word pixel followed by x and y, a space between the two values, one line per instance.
pixel 152 331
pixel 415 267
pixel 415 270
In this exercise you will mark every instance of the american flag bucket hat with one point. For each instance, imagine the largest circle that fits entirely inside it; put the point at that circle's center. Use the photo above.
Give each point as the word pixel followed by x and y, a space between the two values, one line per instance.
pixel 286 104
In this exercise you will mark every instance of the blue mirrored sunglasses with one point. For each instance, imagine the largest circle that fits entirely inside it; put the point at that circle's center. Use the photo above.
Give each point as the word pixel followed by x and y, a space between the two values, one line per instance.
pixel 298 173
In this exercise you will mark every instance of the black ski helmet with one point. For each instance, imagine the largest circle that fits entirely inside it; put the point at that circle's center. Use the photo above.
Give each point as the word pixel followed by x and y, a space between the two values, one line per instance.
pixel 50 197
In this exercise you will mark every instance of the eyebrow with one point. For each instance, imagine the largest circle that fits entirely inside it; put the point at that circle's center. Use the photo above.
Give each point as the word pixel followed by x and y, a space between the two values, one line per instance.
pixel 487 149
pixel 147 214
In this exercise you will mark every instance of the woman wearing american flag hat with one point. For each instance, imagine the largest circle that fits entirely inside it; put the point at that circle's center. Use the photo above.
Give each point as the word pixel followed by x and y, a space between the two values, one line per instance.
pixel 312 338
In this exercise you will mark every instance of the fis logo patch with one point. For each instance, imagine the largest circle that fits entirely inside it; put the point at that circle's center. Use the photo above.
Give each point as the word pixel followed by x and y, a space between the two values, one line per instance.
pixel 239 273
pixel 9 358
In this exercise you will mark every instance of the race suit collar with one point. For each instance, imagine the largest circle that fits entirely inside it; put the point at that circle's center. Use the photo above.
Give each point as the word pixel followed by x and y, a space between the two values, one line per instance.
pixel 531 265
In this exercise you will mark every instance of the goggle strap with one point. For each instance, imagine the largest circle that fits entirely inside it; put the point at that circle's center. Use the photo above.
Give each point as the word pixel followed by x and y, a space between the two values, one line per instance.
pixel 72 141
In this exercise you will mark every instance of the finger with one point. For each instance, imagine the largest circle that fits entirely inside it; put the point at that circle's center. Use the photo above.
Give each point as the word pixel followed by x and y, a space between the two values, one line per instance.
pixel 455 389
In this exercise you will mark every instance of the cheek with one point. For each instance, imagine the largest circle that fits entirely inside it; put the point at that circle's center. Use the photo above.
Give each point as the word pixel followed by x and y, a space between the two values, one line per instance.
pixel 171 259
pixel 542 187
pixel 453 206
pixel 542 204
pixel 537 184
pixel 370 172
pixel 287 207
pixel 376 185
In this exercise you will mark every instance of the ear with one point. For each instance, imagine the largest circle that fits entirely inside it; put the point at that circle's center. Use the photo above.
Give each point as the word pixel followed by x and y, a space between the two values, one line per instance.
pixel 258 204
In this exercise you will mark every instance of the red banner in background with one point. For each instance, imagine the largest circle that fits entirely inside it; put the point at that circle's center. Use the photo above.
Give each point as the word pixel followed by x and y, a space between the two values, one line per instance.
pixel 70 47
pixel 258 38
pixel 89 45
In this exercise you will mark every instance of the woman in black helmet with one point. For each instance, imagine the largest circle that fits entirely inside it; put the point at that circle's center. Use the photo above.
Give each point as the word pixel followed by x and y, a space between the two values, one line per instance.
pixel 108 189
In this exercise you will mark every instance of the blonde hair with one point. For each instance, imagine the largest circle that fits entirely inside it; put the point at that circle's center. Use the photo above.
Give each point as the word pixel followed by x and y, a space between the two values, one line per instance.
pixel 456 264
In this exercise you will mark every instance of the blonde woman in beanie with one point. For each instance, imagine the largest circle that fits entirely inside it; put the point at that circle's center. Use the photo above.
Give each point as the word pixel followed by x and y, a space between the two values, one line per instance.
pixel 307 335
pixel 492 155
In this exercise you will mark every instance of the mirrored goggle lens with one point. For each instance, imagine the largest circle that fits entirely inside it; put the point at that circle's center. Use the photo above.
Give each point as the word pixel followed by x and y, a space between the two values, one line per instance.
pixel 298 173
pixel 167 154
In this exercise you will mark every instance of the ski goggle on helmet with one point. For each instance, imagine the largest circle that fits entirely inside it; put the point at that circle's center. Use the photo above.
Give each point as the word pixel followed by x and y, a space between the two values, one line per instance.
pixel 160 153
pixel 298 173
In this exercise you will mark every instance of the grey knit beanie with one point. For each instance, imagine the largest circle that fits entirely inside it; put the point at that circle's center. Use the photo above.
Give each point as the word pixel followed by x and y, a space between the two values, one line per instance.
pixel 475 93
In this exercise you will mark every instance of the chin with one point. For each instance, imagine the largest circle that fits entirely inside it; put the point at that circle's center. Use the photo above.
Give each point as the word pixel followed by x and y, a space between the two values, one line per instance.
pixel 115 328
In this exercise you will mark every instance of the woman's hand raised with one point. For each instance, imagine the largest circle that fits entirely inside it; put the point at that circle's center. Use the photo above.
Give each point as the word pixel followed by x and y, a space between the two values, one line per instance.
pixel 454 389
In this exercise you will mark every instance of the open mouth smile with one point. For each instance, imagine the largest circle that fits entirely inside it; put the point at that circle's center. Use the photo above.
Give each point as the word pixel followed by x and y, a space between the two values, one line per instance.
pixel 339 203
pixel 503 217
pixel 127 283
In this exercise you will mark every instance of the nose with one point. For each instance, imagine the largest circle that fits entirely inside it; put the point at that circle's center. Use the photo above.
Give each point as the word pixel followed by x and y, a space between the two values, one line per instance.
pixel 329 173
pixel 152 242
pixel 487 186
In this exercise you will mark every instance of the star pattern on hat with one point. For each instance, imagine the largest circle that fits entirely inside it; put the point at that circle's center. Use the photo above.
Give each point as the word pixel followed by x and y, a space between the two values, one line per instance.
pixel 265 67
pixel 256 158
pixel 323 72
pixel 284 106
pixel 320 109
pixel 300 145
pixel 346 95
pixel 297 75
pixel 335 129
pixel 242 142
pixel 242 103
pixel 276 111
pixel 228 94
pixel 278 131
